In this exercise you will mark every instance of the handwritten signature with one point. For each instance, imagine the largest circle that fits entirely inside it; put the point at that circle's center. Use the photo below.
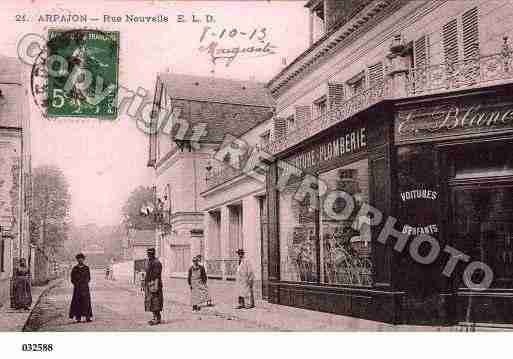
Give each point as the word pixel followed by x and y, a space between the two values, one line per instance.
pixel 230 54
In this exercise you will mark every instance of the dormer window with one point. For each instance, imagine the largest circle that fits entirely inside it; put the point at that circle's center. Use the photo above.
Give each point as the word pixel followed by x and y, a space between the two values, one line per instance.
pixel 318 25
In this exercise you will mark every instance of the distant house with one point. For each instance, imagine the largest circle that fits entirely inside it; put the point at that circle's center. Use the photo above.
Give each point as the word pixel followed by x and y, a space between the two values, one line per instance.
pixel 206 112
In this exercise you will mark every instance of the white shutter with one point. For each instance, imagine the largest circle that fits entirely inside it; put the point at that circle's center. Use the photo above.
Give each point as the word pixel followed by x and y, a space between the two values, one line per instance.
pixel 421 52
pixel 303 115
pixel 375 74
pixel 280 128
pixel 470 25
pixel 450 41
pixel 336 94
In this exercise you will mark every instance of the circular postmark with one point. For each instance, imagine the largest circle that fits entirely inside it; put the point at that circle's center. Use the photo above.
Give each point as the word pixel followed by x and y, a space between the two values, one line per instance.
pixel 76 74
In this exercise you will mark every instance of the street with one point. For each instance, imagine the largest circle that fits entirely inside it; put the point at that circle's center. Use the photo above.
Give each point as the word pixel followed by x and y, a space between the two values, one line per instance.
pixel 120 307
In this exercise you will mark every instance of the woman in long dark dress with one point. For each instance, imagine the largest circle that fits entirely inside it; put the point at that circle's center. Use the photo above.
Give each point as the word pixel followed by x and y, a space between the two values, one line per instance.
pixel 22 290
pixel 81 302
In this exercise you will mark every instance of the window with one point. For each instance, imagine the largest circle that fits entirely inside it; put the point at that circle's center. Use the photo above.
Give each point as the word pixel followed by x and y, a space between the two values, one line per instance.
pixel 298 237
pixel 376 74
pixel 460 37
pixel 346 243
pixel 320 107
pixel 357 83
pixel 280 127
pixel 336 94
pixel 318 24
pixel 291 123
pixel 265 139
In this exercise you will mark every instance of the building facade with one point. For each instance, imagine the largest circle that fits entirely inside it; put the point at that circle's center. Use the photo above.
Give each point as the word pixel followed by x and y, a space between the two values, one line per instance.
pixel 193 115
pixel 391 181
pixel 235 214
pixel 14 171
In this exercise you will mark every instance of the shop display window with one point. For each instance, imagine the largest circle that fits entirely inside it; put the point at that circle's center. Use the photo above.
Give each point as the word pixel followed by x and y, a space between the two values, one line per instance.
pixel 346 243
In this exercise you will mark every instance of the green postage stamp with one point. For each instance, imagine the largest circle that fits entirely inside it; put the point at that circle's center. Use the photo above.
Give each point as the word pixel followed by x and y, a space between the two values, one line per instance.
pixel 83 73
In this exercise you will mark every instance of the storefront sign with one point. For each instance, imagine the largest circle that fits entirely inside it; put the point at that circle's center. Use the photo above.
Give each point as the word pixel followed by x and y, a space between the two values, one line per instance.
pixel 347 144
pixel 452 120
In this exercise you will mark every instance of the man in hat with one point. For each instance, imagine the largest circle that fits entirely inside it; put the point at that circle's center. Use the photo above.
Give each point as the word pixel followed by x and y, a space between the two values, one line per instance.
pixel 244 283
pixel 153 294
pixel 81 301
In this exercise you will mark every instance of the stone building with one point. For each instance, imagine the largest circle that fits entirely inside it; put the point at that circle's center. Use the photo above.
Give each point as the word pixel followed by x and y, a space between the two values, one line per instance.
pixel 201 112
pixel 14 171
pixel 406 106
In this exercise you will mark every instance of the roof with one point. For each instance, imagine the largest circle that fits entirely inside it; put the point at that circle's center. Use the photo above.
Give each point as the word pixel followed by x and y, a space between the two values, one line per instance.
pixel 144 238
pixel 223 105
pixel 215 89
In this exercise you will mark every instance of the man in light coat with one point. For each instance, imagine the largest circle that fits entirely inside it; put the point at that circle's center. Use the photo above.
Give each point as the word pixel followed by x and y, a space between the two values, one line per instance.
pixel 244 283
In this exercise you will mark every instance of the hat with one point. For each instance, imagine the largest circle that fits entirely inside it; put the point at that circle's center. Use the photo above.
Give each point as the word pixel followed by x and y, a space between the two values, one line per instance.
pixel 80 255
pixel 240 251
pixel 196 258
pixel 150 251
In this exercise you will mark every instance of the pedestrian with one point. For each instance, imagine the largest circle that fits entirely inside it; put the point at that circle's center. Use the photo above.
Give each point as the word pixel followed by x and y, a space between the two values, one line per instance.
pixel 81 301
pixel 107 272
pixel 153 293
pixel 244 282
pixel 197 279
pixel 209 299
pixel 21 286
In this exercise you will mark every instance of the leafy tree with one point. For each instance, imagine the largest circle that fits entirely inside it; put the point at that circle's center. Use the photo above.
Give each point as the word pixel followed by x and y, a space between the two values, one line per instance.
pixel 133 209
pixel 50 209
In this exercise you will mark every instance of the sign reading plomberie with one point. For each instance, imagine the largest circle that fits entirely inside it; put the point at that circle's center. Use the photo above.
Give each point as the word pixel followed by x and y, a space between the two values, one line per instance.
pixel 457 119
pixel 347 143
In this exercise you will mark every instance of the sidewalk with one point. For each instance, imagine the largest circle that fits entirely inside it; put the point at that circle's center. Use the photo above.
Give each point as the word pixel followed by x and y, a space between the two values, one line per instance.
pixel 279 317
pixel 12 320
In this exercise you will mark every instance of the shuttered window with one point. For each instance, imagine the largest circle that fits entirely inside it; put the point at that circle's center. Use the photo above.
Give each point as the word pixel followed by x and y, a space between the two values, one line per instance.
pixel 336 94
pixel 303 115
pixel 375 74
pixel 450 41
pixel 470 34
pixel 421 52
pixel 280 127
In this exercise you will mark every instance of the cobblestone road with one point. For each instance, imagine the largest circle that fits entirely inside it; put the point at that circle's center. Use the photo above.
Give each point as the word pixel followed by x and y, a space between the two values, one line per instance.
pixel 119 308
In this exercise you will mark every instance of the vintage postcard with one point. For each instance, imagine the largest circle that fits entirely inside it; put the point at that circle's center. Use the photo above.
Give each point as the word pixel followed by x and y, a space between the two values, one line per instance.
pixel 221 166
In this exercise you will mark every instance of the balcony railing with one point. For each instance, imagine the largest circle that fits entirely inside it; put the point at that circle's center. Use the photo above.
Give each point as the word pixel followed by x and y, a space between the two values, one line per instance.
pixel 219 175
pixel 365 99
pixel 222 268
pixel 483 71
pixel 458 75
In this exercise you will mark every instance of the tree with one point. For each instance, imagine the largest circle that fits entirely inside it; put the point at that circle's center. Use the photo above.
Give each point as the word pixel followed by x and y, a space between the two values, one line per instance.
pixel 140 198
pixel 50 209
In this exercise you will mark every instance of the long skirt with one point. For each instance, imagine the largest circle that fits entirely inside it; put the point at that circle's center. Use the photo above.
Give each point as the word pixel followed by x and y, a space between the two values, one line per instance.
pixel 199 292
pixel 22 292
pixel 81 303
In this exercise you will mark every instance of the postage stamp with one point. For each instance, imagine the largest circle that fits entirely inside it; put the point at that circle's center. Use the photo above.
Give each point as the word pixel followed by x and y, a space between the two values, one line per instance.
pixel 83 68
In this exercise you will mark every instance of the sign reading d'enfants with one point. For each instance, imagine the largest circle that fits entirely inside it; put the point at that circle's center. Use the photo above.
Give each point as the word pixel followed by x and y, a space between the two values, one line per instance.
pixel 449 120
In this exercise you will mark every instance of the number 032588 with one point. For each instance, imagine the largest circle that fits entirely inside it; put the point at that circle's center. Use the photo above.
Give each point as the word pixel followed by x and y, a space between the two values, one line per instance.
pixel 37 347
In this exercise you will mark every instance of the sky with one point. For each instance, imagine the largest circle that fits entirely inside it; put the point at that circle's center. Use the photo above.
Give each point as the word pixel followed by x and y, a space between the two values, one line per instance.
pixel 105 160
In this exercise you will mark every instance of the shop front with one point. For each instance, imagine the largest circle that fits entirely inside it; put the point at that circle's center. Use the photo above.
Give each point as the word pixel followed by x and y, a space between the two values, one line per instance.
pixel 322 257
pixel 454 172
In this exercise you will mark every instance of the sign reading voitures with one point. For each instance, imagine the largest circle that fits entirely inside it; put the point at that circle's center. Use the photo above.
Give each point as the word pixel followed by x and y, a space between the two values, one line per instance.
pixel 82 73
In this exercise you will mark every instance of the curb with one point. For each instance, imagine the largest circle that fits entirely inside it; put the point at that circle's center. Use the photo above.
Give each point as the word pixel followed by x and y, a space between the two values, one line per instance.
pixel 49 287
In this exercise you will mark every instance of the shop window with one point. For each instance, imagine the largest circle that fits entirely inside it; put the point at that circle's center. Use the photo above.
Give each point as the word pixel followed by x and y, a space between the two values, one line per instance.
pixel 346 239
pixel 485 161
pixel 298 238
